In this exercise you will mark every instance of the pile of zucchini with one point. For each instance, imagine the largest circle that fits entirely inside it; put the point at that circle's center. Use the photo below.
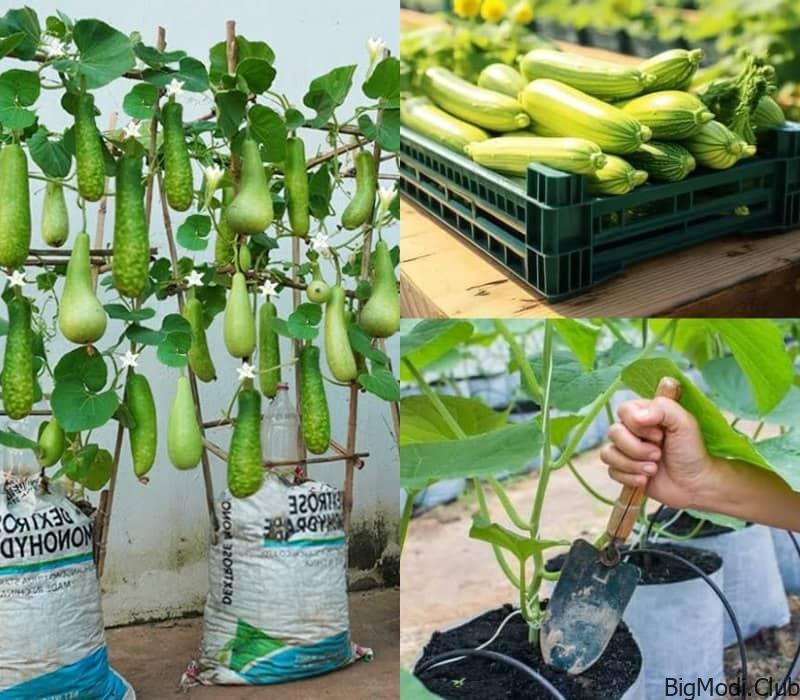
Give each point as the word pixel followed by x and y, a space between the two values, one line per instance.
pixel 620 126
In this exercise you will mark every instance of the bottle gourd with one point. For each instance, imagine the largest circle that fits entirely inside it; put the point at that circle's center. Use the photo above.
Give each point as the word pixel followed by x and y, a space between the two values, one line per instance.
pixel 245 469
pixel 380 316
pixel 359 210
pixel 239 326
pixel 90 165
pixel 81 317
pixel 143 434
pixel 250 212
pixel 199 356
pixel 269 351
pixel 224 245
pixel 339 354
pixel 178 182
pixel 316 417
pixel 131 254
pixel 52 442
pixel 184 439
pixel 296 179
pixel 15 207
pixel 17 378
pixel 55 220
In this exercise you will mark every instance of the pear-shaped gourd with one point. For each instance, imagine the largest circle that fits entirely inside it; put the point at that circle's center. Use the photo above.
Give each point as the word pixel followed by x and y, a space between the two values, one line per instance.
pixel 184 440
pixel 239 325
pixel 81 317
pixel 250 212
pixel 380 316
pixel 51 442
pixel 55 219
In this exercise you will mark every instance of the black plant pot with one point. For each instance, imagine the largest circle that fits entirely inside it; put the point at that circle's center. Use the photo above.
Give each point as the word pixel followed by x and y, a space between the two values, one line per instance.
pixel 617 675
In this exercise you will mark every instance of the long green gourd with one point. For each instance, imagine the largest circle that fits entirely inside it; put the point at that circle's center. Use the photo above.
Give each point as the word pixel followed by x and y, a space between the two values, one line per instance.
pixel 90 165
pixel 380 316
pixel 178 181
pixel 239 327
pixel 184 439
pixel 269 351
pixel 15 207
pixel 143 434
pixel 338 353
pixel 314 403
pixel 245 467
pixel 55 219
pixel 17 378
pixel 199 356
pixel 296 179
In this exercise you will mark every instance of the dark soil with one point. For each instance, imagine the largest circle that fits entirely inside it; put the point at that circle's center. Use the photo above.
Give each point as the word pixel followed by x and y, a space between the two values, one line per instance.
pixel 657 569
pixel 481 679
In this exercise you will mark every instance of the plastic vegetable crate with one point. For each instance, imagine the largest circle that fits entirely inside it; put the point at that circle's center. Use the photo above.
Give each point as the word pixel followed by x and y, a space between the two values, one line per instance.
pixel 549 232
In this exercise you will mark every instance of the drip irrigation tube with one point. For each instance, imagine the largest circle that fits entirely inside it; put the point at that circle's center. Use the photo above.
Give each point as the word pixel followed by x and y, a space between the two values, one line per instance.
pixel 493 656
pixel 702 574
pixel 794 666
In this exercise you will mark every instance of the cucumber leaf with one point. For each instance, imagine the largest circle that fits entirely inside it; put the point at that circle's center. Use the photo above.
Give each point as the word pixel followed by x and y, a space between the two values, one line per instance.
pixel 327 92
pixel 421 422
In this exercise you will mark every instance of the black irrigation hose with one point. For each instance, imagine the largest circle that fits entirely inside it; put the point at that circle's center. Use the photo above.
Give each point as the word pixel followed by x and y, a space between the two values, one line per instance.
pixel 493 656
pixel 793 665
pixel 714 587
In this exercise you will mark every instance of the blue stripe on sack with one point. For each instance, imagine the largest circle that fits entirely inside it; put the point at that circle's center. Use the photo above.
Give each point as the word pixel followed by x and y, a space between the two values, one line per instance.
pixel 91 678
pixel 47 565
pixel 293 663
pixel 304 543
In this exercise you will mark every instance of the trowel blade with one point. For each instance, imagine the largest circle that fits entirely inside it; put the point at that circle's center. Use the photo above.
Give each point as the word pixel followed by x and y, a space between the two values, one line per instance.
pixel 585 608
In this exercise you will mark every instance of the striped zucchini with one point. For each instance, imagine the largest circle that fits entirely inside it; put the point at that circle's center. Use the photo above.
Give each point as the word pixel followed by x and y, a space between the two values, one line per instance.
pixel 673 69
pixel 513 154
pixel 767 114
pixel 568 112
pixel 672 115
pixel 594 77
pixel 665 162
pixel 502 78
pixel 424 117
pixel 474 104
pixel 717 147
pixel 616 177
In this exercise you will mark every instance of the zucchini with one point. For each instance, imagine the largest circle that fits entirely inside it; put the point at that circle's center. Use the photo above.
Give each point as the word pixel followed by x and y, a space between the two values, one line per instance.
pixel 716 146
pixel 665 162
pixel 502 78
pixel 474 104
pixel 569 112
pixel 672 115
pixel 424 117
pixel 590 75
pixel 767 114
pixel 616 177
pixel 513 154
pixel 673 69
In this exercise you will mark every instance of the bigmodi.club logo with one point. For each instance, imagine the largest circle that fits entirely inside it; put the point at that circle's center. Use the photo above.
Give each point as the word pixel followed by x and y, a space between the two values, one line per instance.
pixel 763 687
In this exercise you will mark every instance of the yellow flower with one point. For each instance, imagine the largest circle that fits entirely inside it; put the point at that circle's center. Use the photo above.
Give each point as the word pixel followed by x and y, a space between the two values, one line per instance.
pixel 466 8
pixel 493 10
pixel 521 12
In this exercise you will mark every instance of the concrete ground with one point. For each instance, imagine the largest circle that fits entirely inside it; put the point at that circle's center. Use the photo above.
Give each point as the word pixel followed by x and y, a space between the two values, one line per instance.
pixel 153 656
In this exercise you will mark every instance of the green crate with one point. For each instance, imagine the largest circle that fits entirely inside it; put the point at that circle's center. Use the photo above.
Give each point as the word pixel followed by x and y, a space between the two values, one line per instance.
pixel 550 233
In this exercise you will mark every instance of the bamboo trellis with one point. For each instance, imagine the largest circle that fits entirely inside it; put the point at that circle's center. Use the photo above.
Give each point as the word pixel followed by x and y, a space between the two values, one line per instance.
pixel 98 260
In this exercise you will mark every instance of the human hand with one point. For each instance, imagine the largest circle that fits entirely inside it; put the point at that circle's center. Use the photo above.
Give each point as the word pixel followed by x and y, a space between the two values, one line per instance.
pixel 657 439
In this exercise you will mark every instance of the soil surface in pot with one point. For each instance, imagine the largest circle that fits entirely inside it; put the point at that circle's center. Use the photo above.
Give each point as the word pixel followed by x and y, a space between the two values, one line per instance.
pixel 481 679
pixel 657 569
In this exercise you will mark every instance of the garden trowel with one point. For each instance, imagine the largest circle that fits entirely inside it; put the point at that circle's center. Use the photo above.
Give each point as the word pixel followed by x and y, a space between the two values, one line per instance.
pixel 595 586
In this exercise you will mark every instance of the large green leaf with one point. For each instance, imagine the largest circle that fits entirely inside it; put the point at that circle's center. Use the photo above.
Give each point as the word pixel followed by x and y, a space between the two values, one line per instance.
pixel 257 74
pixel 728 387
pixel 22 21
pixel 384 81
pixel 385 132
pixel 757 345
pixel 430 339
pixel 78 409
pixel 191 72
pixel 231 106
pixel 504 450
pixel 421 422
pixel 327 92
pixel 721 440
pixel 783 455
pixel 49 153
pixel 19 89
pixel 268 128
pixel 105 53
pixel 572 387
pixel 580 337
pixel 521 546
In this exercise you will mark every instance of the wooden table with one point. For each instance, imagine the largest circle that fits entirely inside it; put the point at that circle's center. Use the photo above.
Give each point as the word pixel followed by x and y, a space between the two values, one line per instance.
pixel 443 275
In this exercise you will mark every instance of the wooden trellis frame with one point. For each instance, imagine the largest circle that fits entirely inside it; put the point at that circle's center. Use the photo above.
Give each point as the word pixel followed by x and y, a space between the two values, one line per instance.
pixel 98 260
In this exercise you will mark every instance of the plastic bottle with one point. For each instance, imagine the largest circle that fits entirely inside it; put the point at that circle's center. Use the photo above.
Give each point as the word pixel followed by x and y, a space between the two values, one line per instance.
pixel 280 431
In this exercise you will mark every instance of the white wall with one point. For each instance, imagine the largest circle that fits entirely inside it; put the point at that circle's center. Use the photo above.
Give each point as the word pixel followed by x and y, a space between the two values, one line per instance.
pixel 156 563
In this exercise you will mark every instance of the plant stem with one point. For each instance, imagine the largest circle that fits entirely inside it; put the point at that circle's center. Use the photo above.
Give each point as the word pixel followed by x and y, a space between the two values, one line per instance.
pixel 405 517
pixel 511 511
pixel 518 355
pixel 483 509
pixel 588 486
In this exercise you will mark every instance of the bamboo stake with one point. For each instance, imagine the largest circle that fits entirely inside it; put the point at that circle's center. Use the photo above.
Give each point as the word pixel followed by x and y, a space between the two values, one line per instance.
pixel 102 208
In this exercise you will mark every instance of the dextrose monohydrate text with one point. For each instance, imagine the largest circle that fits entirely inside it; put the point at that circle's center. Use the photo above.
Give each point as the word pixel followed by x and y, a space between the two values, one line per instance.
pixel 764 687
pixel 22 538
pixel 313 513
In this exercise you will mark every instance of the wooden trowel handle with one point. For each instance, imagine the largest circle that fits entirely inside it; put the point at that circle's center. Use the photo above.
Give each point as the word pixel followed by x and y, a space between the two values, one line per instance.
pixel 626 509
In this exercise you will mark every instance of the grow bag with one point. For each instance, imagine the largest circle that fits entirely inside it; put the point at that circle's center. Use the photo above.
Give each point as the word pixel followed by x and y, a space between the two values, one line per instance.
pixel 616 676
pixel 678 620
pixel 752 581
pixel 277 607
pixel 53 643
pixel 788 560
